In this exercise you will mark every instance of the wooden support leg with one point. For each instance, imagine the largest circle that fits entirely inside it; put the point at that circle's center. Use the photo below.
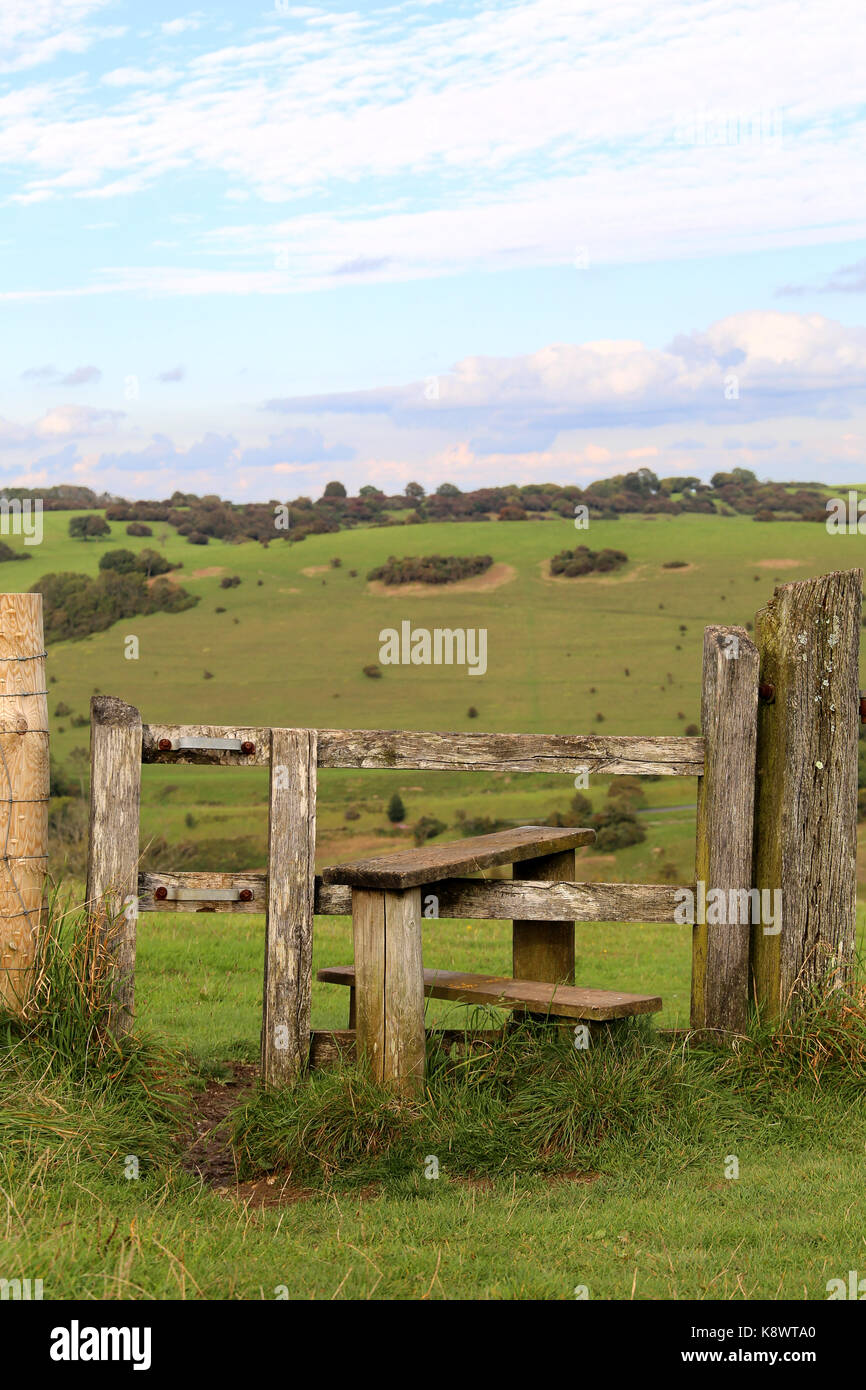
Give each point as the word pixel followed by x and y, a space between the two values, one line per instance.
pixel 389 984
pixel 544 950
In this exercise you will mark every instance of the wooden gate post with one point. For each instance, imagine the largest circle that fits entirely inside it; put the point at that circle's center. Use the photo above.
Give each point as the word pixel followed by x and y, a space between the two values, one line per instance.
pixel 112 858
pixel 24 791
pixel 291 891
pixel 723 859
pixel 806 809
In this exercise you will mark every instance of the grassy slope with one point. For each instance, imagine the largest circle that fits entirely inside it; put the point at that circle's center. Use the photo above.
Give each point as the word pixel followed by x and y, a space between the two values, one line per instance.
pixel 294 656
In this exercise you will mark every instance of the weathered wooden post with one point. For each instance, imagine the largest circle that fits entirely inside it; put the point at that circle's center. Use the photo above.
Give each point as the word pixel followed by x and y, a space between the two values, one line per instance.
pixel 723 859
pixel 24 791
pixel 112 858
pixel 291 891
pixel 806 809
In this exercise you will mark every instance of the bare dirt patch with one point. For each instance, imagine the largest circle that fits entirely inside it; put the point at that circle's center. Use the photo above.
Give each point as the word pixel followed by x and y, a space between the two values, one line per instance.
pixel 782 564
pixel 312 570
pixel 493 578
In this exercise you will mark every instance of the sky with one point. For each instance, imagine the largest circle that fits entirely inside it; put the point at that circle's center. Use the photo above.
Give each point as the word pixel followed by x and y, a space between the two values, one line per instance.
pixel 251 248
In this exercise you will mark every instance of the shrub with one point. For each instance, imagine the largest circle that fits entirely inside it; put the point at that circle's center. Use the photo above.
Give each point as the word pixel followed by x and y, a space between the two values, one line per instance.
pixel 675 564
pixel 138 528
pixel 430 569
pixel 692 731
pixel 62 710
pixel 335 562
pixel 7 553
pixel 472 712
pixel 373 671
pixel 396 810
pixel 352 814
pixel 230 581
pixel 615 829
pixel 574 563
pixel 197 538
pixel 426 828
pixel 76 605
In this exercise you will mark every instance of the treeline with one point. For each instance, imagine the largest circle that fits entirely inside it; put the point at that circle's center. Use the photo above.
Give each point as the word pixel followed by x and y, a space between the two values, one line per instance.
pixel 75 605
pixel 430 569
pixel 201 519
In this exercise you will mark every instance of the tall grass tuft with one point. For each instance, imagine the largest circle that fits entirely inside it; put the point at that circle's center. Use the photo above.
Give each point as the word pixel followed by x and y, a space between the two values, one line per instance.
pixel 68 1086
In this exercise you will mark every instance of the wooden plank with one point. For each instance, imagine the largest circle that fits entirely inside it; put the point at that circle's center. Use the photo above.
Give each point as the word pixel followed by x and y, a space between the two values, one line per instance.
pixel 806 808
pixel 567 1001
pixel 424 864
pixel 368 978
pixel 289 923
pixel 404 992
pixel 674 756
pixel 544 950
pixel 480 899
pixel 112 862
pixel 503 900
pixel 24 791
pixel 726 796
pixel 331 1048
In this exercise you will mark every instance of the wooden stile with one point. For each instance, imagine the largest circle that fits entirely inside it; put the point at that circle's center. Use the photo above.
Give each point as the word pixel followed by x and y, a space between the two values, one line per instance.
pixel 24 790
pixel 112 861
pixel 290 894
pixel 723 860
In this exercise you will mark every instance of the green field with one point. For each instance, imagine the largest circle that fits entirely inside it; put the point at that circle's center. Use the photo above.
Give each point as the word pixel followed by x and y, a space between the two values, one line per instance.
pixel 289 649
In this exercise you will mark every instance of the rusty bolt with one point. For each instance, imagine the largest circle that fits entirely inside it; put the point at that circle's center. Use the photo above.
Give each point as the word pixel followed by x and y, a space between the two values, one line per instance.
pixel 767 692
pixel 247 747
pixel 161 893
pixel 246 895
pixel 164 745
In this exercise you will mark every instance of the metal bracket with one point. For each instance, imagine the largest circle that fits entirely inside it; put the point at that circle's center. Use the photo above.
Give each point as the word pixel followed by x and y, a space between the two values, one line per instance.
pixel 203 895
pixel 227 745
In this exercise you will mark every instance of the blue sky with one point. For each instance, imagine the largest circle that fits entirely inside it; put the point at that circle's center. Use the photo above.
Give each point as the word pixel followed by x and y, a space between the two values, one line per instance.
pixel 250 248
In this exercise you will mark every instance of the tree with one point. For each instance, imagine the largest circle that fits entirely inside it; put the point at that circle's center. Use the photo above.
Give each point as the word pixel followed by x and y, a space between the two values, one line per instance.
pixel 396 809
pixel 83 528
pixel 334 490
pixel 447 490
pixel 121 560
pixel 415 491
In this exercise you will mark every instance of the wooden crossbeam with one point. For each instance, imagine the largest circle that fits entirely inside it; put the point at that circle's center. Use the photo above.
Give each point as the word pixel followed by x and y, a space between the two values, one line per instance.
pixel 674 756
pixel 475 899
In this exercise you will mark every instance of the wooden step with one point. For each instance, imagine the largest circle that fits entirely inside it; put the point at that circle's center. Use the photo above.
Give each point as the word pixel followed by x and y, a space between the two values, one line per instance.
pixel 426 864
pixel 562 1001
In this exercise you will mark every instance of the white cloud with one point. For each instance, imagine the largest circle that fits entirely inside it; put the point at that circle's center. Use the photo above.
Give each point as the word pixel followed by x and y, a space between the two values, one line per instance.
pixel 513 133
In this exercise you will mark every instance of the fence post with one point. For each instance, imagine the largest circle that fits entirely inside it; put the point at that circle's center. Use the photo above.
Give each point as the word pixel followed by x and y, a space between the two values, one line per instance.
pixel 24 791
pixel 806 809
pixel 291 890
pixel 112 858
pixel 723 859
